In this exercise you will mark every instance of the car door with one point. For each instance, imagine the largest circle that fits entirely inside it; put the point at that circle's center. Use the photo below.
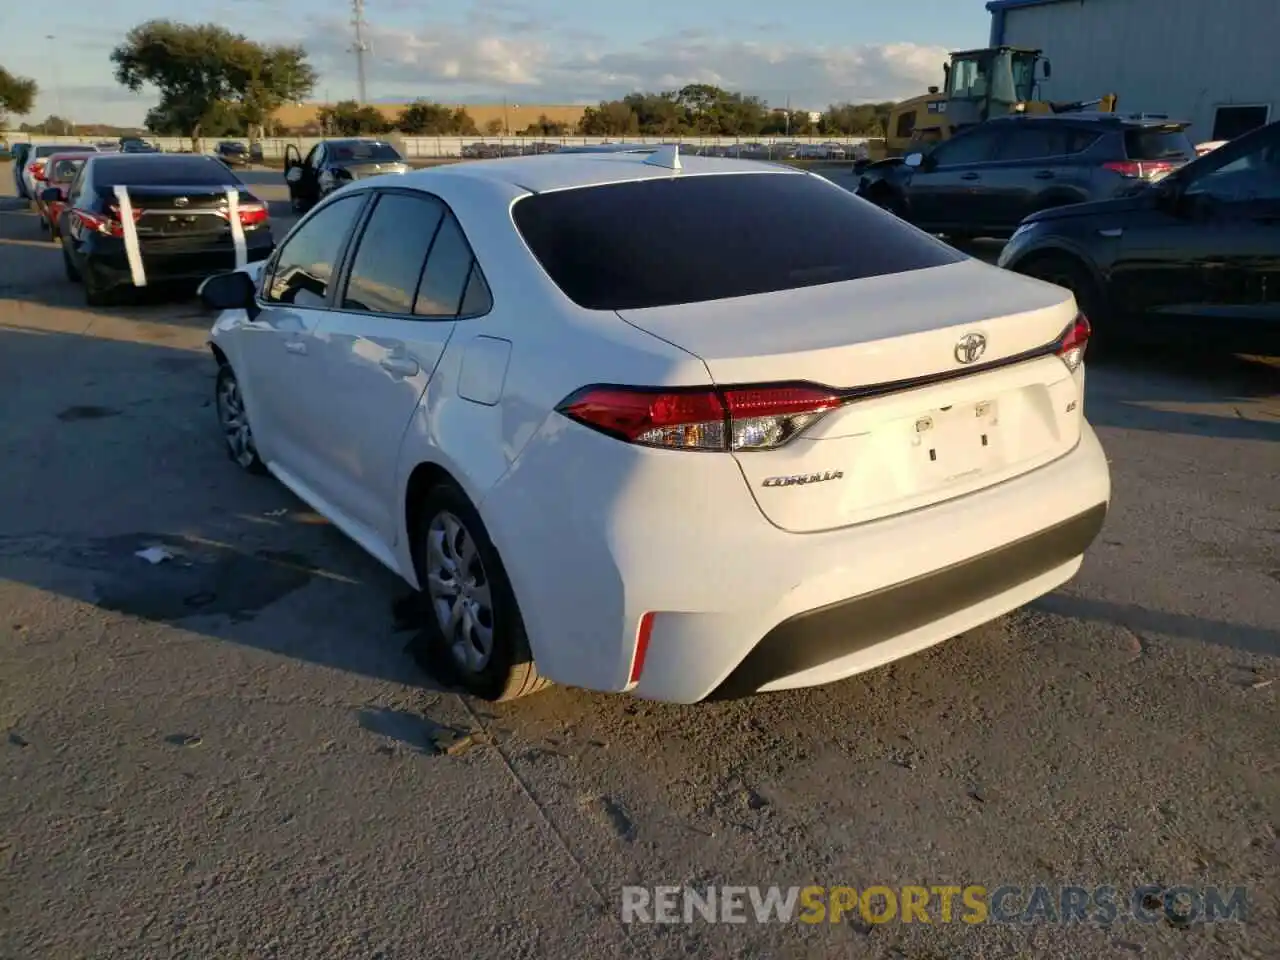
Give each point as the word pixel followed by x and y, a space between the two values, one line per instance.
pixel 1031 170
pixel 943 192
pixel 401 297
pixel 283 371
pixel 1207 248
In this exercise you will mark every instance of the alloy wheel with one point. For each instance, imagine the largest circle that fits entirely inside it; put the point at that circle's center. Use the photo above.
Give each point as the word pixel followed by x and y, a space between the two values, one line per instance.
pixel 460 592
pixel 235 422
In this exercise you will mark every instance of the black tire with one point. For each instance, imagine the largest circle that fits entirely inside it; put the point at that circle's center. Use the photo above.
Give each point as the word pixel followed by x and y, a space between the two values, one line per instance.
pixel 241 449
pixel 69 265
pixel 1066 271
pixel 95 295
pixel 508 672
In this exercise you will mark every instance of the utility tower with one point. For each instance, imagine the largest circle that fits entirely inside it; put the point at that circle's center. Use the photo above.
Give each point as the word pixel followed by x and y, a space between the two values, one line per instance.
pixel 360 47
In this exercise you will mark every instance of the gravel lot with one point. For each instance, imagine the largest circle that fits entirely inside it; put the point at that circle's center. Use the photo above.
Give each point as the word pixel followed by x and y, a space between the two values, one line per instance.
pixel 230 755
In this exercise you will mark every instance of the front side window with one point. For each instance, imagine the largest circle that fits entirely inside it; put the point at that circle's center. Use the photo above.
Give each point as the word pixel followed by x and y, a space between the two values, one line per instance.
pixel 392 251
pixel 1253 176
pixel 974 147
pixel 309 258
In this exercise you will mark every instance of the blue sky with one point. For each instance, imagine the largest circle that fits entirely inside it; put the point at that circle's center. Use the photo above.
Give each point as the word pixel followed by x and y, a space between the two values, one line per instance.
pixel 812 52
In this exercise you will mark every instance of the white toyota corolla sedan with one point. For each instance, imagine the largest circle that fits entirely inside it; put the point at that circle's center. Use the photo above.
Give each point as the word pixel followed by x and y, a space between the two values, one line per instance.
pixel 677 426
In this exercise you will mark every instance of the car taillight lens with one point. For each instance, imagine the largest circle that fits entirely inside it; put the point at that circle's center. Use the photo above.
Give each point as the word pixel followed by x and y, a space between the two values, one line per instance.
pixel 252 214
pixel 1141 169
pixel 108 226
pixel 1071 345
pixel 731 418
pixel 36 169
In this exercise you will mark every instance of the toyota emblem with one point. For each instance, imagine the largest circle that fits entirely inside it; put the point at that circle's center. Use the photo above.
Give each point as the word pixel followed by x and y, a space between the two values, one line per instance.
pixel 970 348
pixel 180 201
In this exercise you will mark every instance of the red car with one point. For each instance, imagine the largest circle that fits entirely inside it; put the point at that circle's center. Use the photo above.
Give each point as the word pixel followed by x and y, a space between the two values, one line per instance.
pixel 58 173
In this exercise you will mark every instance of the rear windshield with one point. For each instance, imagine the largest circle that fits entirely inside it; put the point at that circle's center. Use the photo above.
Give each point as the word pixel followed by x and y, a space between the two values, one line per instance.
pixel 1158 143
pixel 50 150
pixel 674 240
pixel 64 170
pixel 158 170
pixel 372 152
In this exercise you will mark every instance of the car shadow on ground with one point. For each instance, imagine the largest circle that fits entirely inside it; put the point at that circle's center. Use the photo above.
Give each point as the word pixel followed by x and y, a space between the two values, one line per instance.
pixel 1178 389
pixel 205 547
pixel 217 552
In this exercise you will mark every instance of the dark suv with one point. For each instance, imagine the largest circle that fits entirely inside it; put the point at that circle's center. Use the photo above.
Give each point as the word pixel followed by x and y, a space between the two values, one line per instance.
pixel 985 180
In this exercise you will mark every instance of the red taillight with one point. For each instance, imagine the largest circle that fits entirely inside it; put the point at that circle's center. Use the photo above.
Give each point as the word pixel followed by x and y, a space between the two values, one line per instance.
pixel 252 214
pixel 1072 344
pixel 108 226
pixel 643 632
pixel 36 169
pixel 1141 169
pixel 732 418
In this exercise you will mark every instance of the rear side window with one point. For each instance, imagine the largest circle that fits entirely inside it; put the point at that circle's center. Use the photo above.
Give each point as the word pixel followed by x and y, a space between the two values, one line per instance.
pixel 161 171
pixel 672 240
pixel 1158 143
pixel 392 251
pixel 448 273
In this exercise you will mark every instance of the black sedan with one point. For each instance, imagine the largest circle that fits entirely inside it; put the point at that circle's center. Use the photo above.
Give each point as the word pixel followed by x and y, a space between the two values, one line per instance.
pixel 1196 255
pixel 133 220
pixel 331 164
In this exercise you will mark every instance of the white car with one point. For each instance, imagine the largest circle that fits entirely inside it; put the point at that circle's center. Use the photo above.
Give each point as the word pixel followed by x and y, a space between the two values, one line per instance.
pixel 681 427
pixel 40 153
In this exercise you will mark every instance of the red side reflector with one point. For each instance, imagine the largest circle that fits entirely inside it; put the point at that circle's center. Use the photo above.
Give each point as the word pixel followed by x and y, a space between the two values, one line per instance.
pixel 642 646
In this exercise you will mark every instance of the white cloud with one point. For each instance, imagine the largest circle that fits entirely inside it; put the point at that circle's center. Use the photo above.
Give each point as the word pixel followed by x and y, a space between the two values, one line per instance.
pixel 494 55
pixel 499 49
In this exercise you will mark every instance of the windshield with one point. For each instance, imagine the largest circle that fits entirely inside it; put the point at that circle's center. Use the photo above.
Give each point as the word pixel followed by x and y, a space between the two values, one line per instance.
pixel 1024 76
pixel 969 79
pixel 364 152
pixel 161 171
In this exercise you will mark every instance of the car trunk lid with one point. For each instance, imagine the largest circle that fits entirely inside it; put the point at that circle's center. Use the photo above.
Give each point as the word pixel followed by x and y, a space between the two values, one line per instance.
pixel 197 210
pixel 948 378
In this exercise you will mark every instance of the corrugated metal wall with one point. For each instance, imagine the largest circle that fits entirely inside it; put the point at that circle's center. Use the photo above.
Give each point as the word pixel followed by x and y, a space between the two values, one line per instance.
pixel 1180 57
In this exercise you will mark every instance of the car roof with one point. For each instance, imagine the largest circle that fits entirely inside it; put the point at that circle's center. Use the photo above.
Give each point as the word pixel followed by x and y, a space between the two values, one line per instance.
pixel 1087 116
pixel 545 172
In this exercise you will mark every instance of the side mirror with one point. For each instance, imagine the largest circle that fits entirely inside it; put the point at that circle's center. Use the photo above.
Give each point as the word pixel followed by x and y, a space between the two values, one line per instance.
pixel 915 160
pixel 50 195
pixel 229 291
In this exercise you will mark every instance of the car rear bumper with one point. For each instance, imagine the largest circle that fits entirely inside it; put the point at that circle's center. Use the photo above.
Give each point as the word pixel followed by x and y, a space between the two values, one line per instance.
pixel 737 605
pixel 109 264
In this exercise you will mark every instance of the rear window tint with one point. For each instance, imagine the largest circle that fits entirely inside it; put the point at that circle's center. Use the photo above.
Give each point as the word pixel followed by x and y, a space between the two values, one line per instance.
pixel 1158 144
pixel 688 239
pixel 158 170
pixel 361 151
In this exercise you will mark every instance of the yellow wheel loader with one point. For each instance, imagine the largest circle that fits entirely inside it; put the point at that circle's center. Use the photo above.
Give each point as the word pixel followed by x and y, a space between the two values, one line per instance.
pixel 978 85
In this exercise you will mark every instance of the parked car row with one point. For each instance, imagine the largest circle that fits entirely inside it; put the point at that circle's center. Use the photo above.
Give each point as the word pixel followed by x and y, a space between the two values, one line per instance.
pixel 129 220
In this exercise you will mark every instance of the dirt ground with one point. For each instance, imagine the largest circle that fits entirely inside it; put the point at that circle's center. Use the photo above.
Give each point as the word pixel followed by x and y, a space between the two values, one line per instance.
pixel 228 754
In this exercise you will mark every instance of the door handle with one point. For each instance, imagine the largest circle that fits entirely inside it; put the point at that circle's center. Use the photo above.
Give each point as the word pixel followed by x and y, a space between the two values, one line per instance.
pixel 296 346
pixel 970 176
pixel 1044 175
pixel 400 366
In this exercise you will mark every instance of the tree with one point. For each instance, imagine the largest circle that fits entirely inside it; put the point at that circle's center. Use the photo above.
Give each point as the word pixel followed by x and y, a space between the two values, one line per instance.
pixel 17 95
pixel 426 119
pixel 349 119
pixel 545 127
pixel 200 68
pixel 494 127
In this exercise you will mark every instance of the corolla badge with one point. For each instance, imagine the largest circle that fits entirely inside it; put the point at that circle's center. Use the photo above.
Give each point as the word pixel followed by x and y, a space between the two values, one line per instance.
pixel 970 348
pixel 801 479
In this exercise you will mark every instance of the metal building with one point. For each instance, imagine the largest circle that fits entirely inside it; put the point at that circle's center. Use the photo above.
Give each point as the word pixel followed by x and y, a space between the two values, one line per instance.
pixel 1213 64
